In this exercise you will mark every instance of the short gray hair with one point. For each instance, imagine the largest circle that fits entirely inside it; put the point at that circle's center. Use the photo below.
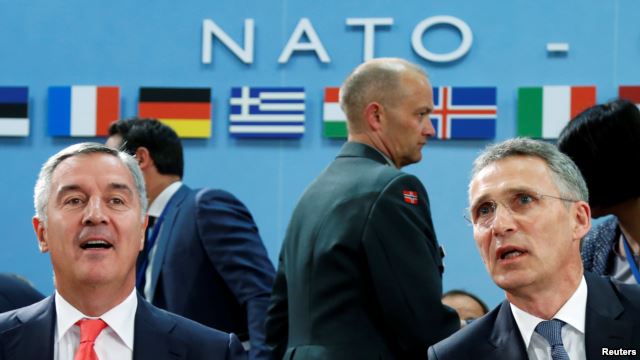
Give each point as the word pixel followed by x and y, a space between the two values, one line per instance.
pixel 564 172
pixel 375 80
pixel 43 185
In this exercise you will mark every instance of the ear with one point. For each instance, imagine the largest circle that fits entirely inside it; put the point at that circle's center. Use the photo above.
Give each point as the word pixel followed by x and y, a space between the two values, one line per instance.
pixel 582 219
pixel 372 114
pixel 144 158
pixel 144 230
pixel 41 234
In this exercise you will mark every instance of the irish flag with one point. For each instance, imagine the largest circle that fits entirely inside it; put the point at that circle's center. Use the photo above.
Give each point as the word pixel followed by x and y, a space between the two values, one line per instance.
pixel 544 111
pixel 335 122
pixel 82 110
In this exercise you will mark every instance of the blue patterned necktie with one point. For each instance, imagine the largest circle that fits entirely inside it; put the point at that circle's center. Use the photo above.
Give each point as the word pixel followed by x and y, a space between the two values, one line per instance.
pixel 551 330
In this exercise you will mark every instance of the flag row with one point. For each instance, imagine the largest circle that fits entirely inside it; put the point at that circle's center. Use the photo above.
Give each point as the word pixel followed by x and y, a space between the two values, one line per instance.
pixel 279 112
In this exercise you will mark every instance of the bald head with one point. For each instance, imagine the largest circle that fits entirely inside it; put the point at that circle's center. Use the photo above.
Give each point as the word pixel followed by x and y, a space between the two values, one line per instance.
pixel 377 80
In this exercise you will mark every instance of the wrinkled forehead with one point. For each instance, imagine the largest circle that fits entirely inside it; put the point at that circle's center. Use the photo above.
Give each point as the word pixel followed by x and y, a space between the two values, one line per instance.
pixel 93 167
pixel 511 174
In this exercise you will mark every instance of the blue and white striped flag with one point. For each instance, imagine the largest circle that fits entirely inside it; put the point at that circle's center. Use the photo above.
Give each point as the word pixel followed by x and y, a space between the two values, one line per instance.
pixel 267 112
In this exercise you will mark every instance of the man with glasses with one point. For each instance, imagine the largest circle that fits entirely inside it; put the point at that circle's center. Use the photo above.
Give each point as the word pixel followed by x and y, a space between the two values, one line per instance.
pixel 529 212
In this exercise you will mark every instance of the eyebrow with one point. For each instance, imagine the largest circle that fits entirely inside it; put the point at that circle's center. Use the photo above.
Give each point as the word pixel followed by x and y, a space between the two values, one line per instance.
pixel 74 187
pixel 510 191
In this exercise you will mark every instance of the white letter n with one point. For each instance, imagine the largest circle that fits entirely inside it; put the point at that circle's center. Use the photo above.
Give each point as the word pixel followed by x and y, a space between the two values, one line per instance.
pixel 211 30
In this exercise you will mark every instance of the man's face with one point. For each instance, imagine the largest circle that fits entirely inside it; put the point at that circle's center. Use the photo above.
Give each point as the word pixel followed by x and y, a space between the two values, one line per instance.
pixel 94 228
pixel 114 141
pixel 466 307
pixel 525 249
pixel 406 124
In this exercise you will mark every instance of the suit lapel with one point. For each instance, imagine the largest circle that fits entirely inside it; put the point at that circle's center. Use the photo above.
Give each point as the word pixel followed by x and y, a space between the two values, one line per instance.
pixel 606 325
pixel 151 338
pixel 506 337
pixel 32 337
pixel 165 238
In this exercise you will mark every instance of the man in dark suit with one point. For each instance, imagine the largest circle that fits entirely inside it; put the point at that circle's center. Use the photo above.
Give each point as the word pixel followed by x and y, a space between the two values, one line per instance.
pixel 529 212
pixel 90 216
pixel 204 258
pixel 16 292
pixel 359 273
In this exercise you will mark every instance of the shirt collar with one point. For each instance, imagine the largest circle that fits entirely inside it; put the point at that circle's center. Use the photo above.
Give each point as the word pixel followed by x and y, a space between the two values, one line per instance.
pixel 156 207
pixel 573 312
pixel 120 319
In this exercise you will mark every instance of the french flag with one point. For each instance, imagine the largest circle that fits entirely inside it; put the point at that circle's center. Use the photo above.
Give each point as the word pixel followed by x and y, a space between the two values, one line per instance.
pixel 82 110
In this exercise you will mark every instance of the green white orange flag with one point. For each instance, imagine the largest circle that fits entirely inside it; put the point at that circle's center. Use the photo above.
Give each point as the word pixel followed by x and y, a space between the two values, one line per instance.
pixel 335 121
pixel 544 111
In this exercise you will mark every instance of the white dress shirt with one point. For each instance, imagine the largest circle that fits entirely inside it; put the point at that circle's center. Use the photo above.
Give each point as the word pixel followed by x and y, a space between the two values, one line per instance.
pixel 115 342
pixel 155 209
pixel 573 313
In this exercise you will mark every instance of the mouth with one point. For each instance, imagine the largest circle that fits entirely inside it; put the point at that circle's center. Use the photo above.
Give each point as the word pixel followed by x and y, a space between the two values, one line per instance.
pixel 95 244
pixel 509 253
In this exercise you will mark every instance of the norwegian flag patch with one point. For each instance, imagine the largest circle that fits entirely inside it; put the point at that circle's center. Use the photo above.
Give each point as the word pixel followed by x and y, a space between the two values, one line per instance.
pixel 410 197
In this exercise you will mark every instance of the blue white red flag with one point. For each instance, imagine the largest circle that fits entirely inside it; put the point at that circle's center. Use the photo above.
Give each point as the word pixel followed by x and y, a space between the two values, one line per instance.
pixel 464 112
pixel 267 112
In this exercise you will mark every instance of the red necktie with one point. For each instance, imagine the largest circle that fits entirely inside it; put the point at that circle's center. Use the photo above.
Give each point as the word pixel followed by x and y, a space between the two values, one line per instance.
pixel 89 331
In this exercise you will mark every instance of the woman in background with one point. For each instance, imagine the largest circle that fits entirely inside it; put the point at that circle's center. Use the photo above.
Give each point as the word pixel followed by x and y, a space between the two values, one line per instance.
pixel 604 142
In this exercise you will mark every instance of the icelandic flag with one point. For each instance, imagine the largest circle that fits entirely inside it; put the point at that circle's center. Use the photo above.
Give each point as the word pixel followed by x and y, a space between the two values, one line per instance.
pixel 267 112
pixel 83 110
pixel 464 112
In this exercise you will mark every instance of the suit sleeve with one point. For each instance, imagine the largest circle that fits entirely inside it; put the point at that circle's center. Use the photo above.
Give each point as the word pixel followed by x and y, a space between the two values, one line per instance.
pixel 231 240
pixel 278 314
pixel 406 266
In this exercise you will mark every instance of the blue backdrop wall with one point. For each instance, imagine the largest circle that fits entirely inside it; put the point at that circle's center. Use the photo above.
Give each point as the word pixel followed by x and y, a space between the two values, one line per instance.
pixel 159 43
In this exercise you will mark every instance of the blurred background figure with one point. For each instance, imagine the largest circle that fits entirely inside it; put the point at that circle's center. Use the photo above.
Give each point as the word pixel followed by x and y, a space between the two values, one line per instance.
pixel 468 306
pixel 604 142
pixel 203 256
pixel 16 292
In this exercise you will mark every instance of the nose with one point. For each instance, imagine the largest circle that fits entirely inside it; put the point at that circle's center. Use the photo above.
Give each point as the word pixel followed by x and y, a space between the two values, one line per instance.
pixel 503 222
pixel 94 213
pixel 428 130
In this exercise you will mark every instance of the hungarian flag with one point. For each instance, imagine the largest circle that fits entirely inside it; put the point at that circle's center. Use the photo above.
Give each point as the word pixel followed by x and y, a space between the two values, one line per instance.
pixel 14 118
pixel 82 110
pixel 185 110
pixel 334 119
pixel 631 93
pixel 544 111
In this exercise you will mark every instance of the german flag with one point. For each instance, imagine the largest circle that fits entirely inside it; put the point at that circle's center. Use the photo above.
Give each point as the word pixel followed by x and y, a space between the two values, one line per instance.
pixel 186 110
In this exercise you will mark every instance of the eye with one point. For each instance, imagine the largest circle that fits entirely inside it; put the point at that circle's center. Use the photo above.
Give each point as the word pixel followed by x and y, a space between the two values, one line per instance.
pixel 116 201
pixel 485 209
pixel 525 199
pixel 73 201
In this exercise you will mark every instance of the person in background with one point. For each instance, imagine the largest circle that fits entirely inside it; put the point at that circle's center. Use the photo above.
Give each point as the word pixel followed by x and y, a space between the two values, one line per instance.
pixel 604 141
pixel 468 306
pixel 529 210
pixel 90 217
pixel 203 257
pixel 359 274
pixel 16 292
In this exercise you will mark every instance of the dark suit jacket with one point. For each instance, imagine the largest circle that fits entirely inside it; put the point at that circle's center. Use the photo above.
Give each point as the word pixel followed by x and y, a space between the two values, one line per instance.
pixel 612 321
pixel 16 293
pixel 27 334
pixel 359 274
pixel 597 247
pixel 211 266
